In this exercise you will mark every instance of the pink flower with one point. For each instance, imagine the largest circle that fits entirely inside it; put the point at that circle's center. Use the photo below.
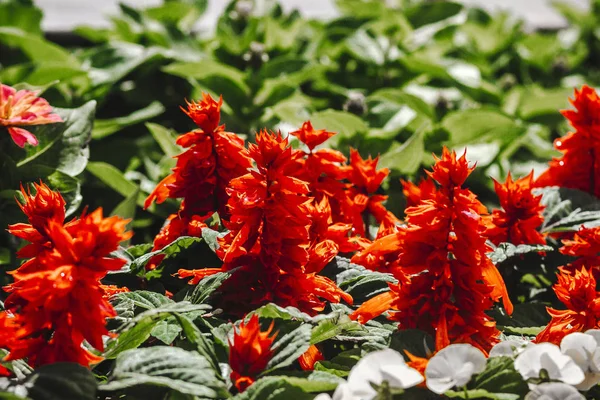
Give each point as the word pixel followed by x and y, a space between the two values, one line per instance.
pixel 24 108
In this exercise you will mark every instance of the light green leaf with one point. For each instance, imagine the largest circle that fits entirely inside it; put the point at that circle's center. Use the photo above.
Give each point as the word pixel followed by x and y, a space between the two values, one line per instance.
pixel 171 367
pixel 107 127
pixel 35 47
pixel 289 347
pixel 405 158
pixel 165 139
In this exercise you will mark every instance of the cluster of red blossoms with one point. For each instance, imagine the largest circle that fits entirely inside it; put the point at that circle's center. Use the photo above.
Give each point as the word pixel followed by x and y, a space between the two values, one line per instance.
pixel 446 282
pixel 288 212
pixel 56 301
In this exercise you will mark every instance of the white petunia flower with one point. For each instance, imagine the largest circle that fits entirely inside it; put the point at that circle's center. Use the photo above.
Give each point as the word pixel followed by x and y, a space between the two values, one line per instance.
pixel 583 349
pixel 379 366
pixel 342 392
pixel 547 356
pixel 554 391
pixel 453 366
pixel 510 348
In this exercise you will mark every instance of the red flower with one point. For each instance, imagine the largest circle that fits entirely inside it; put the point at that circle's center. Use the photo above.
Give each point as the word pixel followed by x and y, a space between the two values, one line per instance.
pixel 56 301
pixel 517 223
pixel 415 193
pixel 206 113
pixel 24 108
pixel 111 290
pixel 249 352
pixel 269 260
pixel 446 282
pixel 578 292
pixel 310 357
pixel 310 136
pixel 579 166
pixel 366 180
pixel 201 174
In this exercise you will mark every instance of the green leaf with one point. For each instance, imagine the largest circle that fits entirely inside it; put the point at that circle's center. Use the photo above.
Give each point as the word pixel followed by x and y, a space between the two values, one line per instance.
pixel 504 251
pixel 273 388
pixel 346 125
pixel 107 127
pixel 428 13
pixel 171 367
pixel 567 209
pixel 329 329
pixel 126 208
pixel 138 329
pixel 527 319
pixel 207 286
pixel 116 180
pixel 204 346
pixel 172 249
pixel 500 377
pixel 415 341
pixel 165 139
pixel 166 330
pixel 143 299
pixel 35 47
pixel 57 381
pixel 537 103
pixel 358 281
pixel 23 16
pixel 480 394
pixel 365 47
pixel 69 188
pixel 405 158
pixel 214 76
pixel 289 347
pixel 64 145
pixel 480 125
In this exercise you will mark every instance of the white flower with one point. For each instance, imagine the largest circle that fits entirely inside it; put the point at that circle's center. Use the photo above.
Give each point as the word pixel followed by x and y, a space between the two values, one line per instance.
pixel 583 349
pixel 453 366
pixel 377 367
pixel 510 348
pixel 547 356
pixel 342 392
pixel 554 391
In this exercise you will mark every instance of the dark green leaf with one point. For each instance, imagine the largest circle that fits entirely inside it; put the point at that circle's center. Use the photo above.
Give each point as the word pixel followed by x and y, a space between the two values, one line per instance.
pixel 107 127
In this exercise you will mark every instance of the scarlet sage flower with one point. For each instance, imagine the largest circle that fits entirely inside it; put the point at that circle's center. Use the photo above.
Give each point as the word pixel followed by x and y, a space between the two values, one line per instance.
pixel 24 108
pixel 269 260
pixel 579 166
pixel 56 301
pixel 415 193
pixel 201 174
pixel 249 352
pixel 521 213
pixel 585 245
pixel 577 291
pixel 446 282
pixel 366 180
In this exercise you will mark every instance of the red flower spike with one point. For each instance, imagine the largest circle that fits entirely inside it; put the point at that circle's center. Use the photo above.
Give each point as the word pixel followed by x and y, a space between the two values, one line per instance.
pixel 42 207
pixel 579 166
pixel 520 216
pixel 446 281
pixel 56 301
pixel 24 108
pixel 201 175
pixel 577 291
pixel 249 352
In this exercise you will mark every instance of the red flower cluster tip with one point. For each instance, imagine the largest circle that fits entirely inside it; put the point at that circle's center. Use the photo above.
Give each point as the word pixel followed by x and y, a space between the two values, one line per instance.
pixel 446 281
pixel 249 352
pixel 576 290
pixel 579 166
pixel 201 175
pixel 24 108
pixel 520 216
pixel 57 301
